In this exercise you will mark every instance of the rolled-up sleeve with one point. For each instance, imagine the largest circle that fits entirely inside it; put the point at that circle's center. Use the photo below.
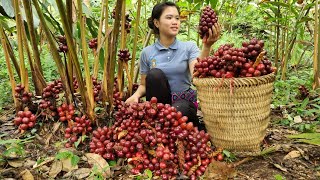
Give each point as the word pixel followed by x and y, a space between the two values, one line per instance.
pixel 194 52
pixel 144 68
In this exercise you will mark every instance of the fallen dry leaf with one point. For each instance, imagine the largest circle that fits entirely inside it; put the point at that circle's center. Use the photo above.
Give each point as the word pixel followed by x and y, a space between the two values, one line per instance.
pixel 49 159
pixel 82 173
pixel 55 128
pixel 55 169
pixel 78 173
pixel 219 170
pixel 99 162
pixel 292 154
pixel 67 166
pixel 280 167
pixel 26 175
pixel 29 163
pixel 297 119
pixel 16 163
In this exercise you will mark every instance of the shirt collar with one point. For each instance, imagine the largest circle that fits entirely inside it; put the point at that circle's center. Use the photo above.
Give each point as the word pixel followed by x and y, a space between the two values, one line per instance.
pixel 160 47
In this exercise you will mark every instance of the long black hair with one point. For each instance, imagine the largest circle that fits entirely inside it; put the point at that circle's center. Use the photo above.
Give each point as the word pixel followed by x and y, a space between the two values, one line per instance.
pixel 157 12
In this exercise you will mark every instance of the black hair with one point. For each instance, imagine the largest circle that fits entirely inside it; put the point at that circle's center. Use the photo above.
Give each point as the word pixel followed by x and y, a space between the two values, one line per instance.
pixel 157 12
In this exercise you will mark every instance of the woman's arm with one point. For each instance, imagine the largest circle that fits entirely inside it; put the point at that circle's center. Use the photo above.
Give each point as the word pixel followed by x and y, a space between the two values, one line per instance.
pixel 141 91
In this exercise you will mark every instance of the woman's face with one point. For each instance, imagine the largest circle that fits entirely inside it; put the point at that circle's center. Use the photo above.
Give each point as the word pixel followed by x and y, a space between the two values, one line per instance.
pixel 169 22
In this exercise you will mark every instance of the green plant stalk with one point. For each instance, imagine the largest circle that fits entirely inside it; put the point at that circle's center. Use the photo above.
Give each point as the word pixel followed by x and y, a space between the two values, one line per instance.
pixel 35 66
pixel 106 63
pixel 146 42
pixel 97 52
pixel 69 13
pixel 10 72
pixel 189 22
pixel 37 77
pixel 69 65
pixel 316 56
pixel 276 61
pixel 72 51
pixel 113 50
pixel 134 50
pixel 36 53
pixel 12 56
pixel 89 85
pixel 54 51
pixel 23 72
pixel 291 44
pixel 122 46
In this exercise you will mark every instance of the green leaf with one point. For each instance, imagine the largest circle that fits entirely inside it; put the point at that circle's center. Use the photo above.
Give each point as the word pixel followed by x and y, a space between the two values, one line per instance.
pixel 305 19
pixel 7 7
pixel 227 153
pixel 64 155
pixel 311 141
pixel 76 144
pixel 304 103
pixel 17 150
pixel 305 136
pixel 213 3
pixel 278 177
pixel 148 173
pixel 112 163
pixel 74 160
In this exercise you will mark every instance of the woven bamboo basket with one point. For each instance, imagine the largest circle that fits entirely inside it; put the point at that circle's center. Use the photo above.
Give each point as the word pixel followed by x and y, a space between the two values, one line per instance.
pixel 236 111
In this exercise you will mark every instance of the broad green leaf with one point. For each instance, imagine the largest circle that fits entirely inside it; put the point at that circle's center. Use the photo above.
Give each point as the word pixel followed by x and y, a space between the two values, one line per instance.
pixel 281 4
pixel 74 160
pixel 305 136
pixel 7 7
pixel 305 19
pixel 213 3
pixel 148 173
pixel 76 144
pixel 311 141
pixel 304 103
pixel 112 163
pixel 278 177
pixel 227 153
pixel 16 150
pixel 64 155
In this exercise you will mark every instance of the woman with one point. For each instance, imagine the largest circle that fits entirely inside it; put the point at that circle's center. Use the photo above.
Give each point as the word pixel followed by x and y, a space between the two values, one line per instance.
pixel 166 66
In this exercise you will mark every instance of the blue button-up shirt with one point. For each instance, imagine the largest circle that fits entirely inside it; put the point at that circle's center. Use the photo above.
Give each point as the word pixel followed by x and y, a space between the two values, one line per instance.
pixel 173 61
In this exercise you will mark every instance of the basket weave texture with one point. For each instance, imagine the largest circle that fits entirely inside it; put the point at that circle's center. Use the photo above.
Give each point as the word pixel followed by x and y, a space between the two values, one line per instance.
pixel 236 111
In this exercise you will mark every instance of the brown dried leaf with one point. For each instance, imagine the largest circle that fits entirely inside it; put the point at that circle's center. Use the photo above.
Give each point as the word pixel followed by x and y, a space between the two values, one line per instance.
pixel 180 153
pixel 26 175
pixel 82 173
pixel 67 165
pixel 43 163
pixel 152 152
pixel 122 134
pixel 29 163
pixel 195 167
pixel 55 128
pixel 219 170
pixel 280 167
pixel 55 169
pixel 259 58
pixel 16 163
pixel 102 164
pixel 292 154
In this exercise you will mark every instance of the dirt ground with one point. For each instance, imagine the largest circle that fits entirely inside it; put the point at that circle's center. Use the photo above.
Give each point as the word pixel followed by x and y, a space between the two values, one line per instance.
pixel 287 159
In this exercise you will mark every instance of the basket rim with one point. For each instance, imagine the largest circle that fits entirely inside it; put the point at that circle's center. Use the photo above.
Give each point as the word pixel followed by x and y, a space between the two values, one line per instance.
pixel 235 81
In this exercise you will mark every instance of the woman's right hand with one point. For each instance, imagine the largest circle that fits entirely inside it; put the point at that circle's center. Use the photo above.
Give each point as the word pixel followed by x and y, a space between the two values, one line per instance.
pixel 132 99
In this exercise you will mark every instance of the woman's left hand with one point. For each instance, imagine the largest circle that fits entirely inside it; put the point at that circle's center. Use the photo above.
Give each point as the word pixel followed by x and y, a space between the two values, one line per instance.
pixel 214 35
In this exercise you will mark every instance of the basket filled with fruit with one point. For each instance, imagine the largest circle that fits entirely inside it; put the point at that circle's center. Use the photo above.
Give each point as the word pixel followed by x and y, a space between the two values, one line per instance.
pixel 234 87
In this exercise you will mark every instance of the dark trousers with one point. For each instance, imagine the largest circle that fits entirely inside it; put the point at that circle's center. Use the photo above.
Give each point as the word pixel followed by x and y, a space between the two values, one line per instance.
pixel 157 85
